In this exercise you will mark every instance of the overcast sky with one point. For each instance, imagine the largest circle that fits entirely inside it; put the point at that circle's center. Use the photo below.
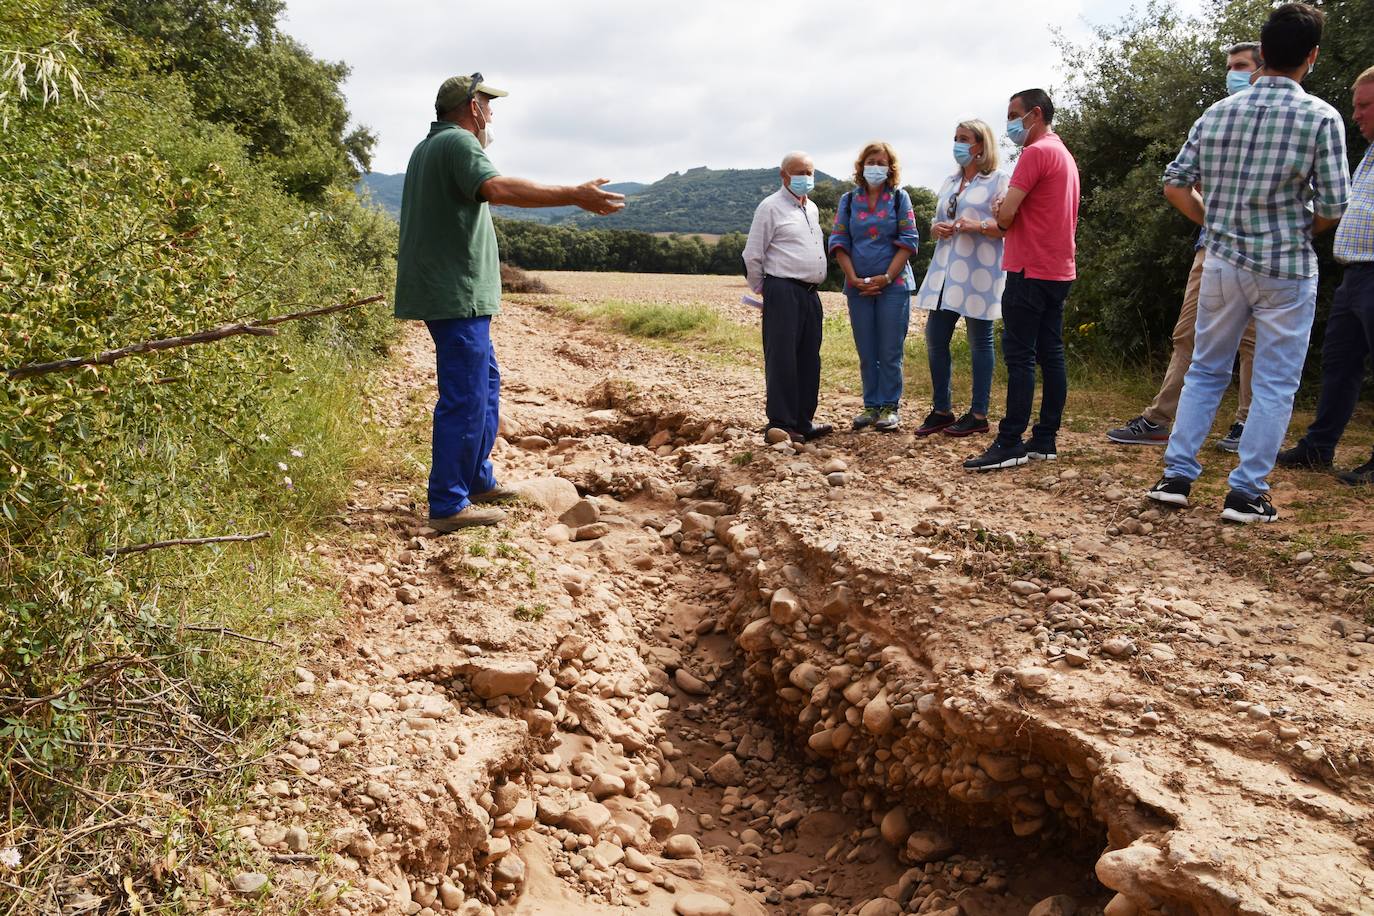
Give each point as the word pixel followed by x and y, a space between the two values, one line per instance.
pixel 632 91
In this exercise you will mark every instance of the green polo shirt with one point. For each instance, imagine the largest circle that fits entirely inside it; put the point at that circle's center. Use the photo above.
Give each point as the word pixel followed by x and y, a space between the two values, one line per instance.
pixel 447 265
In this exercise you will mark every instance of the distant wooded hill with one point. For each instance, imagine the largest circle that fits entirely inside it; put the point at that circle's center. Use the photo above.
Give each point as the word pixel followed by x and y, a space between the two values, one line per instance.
pixel 700 200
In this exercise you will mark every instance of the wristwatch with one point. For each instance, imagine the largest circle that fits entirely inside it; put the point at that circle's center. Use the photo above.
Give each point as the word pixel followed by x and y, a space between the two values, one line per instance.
pixel 983 225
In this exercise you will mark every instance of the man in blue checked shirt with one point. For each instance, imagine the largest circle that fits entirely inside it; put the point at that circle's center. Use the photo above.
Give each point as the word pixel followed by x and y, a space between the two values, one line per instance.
pixel 1272 165
pixel 1350 326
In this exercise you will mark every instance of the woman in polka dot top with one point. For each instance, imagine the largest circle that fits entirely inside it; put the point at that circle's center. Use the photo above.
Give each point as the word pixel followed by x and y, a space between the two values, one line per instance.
pixel 965 278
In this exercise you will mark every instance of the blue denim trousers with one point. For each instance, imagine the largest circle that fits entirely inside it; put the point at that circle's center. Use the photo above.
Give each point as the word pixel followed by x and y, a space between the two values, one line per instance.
pixel 1349 341
pixel 939 330
pixel 1282 310
pixel 466 415
pixel 879 324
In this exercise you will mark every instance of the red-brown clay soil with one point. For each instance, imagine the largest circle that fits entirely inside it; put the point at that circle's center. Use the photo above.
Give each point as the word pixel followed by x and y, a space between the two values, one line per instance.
pixel 841 678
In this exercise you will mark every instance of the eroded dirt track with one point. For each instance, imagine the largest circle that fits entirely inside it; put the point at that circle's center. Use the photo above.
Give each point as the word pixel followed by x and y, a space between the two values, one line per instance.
pixel 741 678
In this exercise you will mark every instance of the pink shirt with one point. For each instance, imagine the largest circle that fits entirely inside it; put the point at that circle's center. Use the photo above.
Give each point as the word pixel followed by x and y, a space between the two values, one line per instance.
pixel 1040 241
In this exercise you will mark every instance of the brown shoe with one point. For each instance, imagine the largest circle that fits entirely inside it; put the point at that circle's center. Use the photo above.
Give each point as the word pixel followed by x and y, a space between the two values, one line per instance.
pixel 497 494
pixel 469 517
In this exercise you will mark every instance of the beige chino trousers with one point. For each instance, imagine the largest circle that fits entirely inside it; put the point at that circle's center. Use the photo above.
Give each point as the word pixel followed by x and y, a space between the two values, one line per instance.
pixel 1165 405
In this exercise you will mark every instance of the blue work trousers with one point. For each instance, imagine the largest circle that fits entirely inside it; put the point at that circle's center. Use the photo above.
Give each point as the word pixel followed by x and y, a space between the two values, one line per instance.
pixel 466 415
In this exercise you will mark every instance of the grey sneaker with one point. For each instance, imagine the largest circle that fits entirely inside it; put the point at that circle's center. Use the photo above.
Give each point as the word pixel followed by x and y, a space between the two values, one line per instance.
pixel 471 516
pixel 1231 441
pixel 887 419
pixel 867 418
pixel 1139 431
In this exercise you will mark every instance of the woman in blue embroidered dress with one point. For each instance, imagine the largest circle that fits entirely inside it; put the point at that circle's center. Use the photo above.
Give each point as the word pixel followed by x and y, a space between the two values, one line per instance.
pixel 873 237
pixel 965 278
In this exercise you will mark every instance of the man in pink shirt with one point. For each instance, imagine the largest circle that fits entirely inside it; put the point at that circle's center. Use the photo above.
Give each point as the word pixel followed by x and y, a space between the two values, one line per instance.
pixel 1040 217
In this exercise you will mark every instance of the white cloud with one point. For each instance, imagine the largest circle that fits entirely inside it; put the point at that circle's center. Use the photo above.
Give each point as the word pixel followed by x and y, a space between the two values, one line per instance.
pixel 635 90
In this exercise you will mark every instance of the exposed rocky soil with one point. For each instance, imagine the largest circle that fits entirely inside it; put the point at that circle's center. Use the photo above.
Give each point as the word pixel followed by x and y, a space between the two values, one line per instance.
pixel 695 673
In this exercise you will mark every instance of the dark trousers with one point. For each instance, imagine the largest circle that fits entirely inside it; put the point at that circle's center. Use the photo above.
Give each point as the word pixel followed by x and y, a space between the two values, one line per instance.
pixel 466 415
pixel 791 352
pixel 1033 332
pixel 1349 339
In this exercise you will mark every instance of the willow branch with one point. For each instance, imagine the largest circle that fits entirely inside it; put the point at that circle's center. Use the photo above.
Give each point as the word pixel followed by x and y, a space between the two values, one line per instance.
pixel 186 542
pixel 263 327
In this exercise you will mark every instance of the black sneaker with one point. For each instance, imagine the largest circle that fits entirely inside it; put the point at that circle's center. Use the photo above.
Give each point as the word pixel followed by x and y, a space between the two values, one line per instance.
pixel 1231 441
pixel 934 422
pixel 1300 456
pixel 866 419
pixel 1360 476
pixel 967 425
pixel 1041 452
pixel 1139 431
pixel 816 431
pixel 1247 509
pixel 998 457
pixel 1171 490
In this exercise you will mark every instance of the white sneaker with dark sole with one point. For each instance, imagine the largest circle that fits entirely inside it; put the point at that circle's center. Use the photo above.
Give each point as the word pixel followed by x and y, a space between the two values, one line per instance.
pixel 1246 509
pixel 1171 490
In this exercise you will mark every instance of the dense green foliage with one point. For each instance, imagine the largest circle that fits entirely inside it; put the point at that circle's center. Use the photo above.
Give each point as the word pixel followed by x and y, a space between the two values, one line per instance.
pixel 1133 94
pixel 244 72
pixel 122 219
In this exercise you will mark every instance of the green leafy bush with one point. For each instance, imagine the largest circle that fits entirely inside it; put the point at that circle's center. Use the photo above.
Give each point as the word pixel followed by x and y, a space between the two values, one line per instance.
pixel 129 680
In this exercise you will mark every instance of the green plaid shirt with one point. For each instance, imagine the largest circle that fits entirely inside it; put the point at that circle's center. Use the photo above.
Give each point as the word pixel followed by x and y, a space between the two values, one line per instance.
pixel 1268 158
pixel 1355 234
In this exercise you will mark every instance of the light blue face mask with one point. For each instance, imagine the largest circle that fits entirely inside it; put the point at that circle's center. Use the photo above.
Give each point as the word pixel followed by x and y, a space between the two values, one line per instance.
pixel 963 153
pixel 801 185
pixel 1016 131
pixel 1237 81
pixel 875 174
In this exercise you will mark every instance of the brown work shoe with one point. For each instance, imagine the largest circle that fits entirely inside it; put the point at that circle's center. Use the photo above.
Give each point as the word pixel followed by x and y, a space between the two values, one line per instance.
pixel 470 517
pixel 497 494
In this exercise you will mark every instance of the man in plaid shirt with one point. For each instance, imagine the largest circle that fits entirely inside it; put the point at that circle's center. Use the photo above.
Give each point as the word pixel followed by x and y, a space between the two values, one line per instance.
pixel 1272 165
pixel 1350 326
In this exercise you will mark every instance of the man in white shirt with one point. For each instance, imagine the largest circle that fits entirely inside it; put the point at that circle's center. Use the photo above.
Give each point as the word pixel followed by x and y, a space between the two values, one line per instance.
pixel 784 260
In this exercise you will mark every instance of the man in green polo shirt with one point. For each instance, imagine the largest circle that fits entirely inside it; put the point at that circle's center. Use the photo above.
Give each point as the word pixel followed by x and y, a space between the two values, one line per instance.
pixel 448 275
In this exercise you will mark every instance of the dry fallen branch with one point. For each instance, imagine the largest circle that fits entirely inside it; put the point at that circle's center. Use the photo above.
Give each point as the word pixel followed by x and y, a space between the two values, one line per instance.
pixel 260 328
pixel 186 542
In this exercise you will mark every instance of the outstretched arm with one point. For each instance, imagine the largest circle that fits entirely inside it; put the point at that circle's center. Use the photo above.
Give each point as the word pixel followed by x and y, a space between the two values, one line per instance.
pixel 504 191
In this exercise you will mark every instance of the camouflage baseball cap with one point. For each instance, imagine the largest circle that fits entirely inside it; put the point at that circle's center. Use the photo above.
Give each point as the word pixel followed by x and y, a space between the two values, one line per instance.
pixel 457 90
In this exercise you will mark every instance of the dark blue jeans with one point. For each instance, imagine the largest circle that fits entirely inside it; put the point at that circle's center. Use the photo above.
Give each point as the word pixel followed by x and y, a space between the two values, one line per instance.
pixel 939 329
pixel 1349 340
pixel 466 414
pixel 1033 332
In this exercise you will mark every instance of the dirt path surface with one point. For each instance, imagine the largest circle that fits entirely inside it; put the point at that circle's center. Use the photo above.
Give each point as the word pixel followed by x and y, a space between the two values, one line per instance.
pixel 695 674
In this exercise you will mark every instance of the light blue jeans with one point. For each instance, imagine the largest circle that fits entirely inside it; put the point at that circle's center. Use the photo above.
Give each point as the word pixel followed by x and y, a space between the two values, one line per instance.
pixel 879 324
pixel 1282 310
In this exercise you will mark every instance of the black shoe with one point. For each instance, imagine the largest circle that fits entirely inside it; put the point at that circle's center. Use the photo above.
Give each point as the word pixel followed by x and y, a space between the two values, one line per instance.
pixel 934 422
pixel 1171 490
pixel 997 457
pixel 1231 441
pixel 816 431
pixel 1042 452
pixel 1246 509
pixel 1301 456
pixel 967 425
pixel 1360 476
pixel 1139 431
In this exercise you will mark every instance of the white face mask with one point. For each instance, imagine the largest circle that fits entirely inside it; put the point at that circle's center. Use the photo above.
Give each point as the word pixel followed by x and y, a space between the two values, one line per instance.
pixel 484 136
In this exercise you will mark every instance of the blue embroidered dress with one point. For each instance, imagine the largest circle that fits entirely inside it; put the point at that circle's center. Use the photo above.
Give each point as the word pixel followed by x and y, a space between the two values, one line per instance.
pixel 871 228
pixel 967 267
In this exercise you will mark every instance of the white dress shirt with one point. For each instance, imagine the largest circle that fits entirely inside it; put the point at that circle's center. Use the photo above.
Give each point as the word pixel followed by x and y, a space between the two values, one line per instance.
pixel 785 240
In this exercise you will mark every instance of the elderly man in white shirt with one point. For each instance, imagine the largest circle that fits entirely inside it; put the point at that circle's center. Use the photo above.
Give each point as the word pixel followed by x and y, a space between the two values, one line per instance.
pixel 784 260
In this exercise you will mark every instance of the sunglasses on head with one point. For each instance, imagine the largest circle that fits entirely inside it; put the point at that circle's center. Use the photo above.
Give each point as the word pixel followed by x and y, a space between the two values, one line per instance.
pixel 476 80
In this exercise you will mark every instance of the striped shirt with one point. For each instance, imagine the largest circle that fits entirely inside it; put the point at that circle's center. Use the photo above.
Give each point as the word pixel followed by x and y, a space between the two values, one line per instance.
pixel 1355 235
pixel 1268 159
